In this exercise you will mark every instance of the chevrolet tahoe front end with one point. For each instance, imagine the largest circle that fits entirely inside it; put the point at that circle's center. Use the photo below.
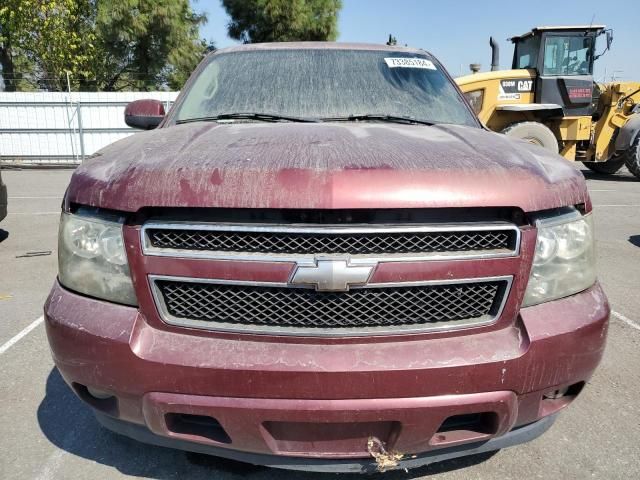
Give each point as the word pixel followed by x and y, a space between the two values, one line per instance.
pixel 326 292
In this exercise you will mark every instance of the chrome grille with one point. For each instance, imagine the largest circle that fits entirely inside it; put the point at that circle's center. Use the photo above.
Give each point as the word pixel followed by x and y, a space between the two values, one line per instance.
pixel 355 241
pixel 243 307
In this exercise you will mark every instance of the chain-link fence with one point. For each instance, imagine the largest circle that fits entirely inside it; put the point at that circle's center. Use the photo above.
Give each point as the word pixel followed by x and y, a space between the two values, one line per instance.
pixel 59 129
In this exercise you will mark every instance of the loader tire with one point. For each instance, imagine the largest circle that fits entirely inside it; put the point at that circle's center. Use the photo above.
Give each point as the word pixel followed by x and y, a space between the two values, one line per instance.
pixel 609 167
pixel 533 132
pixel 632 157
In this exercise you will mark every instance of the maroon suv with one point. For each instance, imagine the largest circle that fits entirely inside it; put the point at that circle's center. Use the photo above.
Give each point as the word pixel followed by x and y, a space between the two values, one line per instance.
pixel 321 260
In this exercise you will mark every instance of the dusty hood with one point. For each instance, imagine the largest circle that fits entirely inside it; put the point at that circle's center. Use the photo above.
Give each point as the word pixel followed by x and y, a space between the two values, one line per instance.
pixel 338 165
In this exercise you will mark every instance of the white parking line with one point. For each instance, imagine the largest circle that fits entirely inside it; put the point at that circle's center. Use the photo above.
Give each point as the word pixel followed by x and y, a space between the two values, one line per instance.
pixel 21 335
pixel 34 213
pixel 55 460
pixel 29 198
pixel 626 320
pixel 636 205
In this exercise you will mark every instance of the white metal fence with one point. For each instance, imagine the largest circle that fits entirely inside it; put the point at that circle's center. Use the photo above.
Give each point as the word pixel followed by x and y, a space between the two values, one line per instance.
pixel 56 128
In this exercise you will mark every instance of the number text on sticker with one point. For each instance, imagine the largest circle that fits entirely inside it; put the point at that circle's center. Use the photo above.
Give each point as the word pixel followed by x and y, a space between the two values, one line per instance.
pixel 409 62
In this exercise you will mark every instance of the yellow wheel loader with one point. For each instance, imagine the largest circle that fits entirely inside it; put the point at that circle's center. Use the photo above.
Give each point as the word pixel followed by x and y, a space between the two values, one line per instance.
pixel 550 98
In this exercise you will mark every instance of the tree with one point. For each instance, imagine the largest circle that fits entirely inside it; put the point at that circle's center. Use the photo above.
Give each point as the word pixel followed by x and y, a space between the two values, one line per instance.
pixel 51 38
pixel 282 20
pixel 148 43
pixel 101 44
pixel 12 20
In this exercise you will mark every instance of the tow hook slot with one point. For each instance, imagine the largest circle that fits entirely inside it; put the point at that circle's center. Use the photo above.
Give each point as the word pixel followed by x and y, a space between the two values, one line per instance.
pixel 466 427
pixel 197 425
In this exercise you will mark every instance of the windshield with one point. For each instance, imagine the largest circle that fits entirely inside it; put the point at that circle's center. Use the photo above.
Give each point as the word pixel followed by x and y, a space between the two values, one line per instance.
pixel 325 84
pixel 570 55
pixel 527 53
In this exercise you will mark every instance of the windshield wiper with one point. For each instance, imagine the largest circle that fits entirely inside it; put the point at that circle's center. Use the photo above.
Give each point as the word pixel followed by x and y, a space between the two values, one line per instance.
pixel 264 117
pixel 382 117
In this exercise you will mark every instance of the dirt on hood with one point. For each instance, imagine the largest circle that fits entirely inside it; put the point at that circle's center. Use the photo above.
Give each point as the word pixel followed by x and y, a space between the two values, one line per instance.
pixel 324 166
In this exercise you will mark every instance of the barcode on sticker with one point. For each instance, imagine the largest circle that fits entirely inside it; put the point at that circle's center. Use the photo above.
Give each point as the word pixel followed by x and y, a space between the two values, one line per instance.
pixel 409 62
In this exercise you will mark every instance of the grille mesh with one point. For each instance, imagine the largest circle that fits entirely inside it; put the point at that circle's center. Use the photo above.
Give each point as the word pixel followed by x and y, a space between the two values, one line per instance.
pixel 308 309
pixel 315 243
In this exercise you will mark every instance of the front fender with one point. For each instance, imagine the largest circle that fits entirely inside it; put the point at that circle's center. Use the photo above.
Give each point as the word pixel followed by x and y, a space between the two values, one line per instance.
pixel 628 133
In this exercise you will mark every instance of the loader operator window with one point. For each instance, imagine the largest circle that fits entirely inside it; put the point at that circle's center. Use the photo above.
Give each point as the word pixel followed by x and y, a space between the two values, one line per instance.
pixel 527 56
pixel 568 55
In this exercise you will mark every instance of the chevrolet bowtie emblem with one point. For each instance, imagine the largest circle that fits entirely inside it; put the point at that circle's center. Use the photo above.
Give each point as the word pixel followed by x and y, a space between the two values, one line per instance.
pixel 331 275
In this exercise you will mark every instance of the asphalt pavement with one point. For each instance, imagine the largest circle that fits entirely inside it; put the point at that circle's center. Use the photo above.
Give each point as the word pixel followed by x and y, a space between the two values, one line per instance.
pixel 49 434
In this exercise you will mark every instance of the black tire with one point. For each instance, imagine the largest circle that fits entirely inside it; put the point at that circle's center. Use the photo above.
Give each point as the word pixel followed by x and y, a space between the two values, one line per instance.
pixel 533 132
pixel 609 167
pixel 632 157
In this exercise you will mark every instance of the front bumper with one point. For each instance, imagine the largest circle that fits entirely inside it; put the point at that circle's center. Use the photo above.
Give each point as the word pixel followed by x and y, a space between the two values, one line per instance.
pixel 316 404
pixel 519 435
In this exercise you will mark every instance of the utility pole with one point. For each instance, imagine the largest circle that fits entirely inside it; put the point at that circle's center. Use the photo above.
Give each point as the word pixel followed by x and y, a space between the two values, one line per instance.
pixel 614 75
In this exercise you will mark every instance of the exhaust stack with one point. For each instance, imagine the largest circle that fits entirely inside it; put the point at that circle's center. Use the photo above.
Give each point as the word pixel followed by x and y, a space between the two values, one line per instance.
pixel 495 54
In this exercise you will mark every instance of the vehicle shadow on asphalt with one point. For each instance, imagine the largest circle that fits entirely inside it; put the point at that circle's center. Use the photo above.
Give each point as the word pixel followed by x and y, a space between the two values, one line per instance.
pixel 621 176
pixel 70 425
pixel 3 235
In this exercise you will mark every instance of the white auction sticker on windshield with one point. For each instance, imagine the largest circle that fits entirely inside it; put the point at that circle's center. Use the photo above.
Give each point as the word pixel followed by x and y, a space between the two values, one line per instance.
pixel 409 62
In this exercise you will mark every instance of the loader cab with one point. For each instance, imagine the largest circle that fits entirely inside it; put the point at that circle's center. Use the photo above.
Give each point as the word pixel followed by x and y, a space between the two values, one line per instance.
pixel 563 59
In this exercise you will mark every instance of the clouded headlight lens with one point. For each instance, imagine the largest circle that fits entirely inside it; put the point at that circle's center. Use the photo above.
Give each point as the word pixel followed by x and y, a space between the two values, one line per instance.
pixel 92 258
pixel 564 261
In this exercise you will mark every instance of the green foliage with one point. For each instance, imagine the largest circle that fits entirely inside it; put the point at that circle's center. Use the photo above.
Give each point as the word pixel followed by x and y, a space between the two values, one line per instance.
pixel 101 44
pixel 52 37
pixel 282 20
pixel 148 43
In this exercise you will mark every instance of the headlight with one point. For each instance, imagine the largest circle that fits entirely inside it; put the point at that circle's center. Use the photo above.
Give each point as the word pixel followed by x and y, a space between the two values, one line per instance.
pixel 475 98
pixel 564 261
pixel 92 258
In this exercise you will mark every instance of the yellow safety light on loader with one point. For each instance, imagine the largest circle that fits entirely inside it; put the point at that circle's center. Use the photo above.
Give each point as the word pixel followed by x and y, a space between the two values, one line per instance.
pixel 549 98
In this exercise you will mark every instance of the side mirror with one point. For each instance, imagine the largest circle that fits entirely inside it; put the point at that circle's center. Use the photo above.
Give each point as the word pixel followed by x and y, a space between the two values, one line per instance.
pixel 609 37
pixel 144 114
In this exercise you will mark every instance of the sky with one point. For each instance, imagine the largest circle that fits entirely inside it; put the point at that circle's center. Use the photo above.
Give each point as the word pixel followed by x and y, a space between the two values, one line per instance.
pixel 457 32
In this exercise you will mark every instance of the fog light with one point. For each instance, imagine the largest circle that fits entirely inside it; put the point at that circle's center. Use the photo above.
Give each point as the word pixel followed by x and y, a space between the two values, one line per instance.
pixel 554 394
pixel 99 394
